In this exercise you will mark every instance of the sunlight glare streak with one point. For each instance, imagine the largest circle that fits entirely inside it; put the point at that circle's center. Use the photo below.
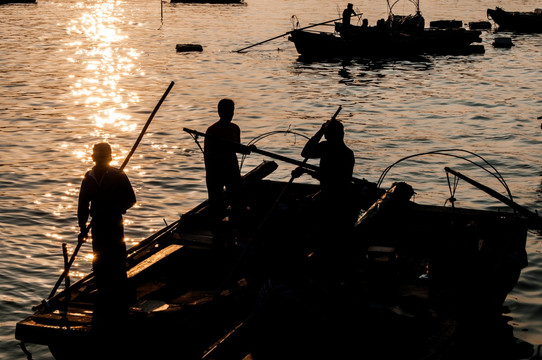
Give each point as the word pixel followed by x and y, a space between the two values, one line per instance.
pixel 97 40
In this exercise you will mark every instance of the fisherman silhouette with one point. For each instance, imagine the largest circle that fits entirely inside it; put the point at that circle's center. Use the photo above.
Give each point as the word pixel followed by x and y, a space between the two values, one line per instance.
pixel 347 14
pixel 336 163
pixel 105 195
pixel 332 216
pixel 222 166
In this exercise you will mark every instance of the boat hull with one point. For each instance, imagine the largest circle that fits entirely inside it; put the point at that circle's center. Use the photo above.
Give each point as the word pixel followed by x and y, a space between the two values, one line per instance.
pixel 529 22
pixel 409 272
pixel 373 42
pixel 4 2
pixel 209 1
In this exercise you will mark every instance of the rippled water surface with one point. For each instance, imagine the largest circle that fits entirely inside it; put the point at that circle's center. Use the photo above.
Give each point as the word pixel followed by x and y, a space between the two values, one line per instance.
pixel 73 73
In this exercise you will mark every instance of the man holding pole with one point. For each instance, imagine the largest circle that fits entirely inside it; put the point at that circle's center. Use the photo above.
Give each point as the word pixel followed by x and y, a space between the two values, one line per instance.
pixel 333 213
pixel 222 143
pixel 105 195
pixel 347 14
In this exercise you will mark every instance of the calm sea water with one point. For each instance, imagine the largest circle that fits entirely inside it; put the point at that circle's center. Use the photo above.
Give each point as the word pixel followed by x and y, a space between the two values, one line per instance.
pixel 73 73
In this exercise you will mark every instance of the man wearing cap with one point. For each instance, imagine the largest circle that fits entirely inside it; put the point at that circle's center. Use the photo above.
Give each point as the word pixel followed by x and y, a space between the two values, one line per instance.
pixel 347 14
pixel 105 195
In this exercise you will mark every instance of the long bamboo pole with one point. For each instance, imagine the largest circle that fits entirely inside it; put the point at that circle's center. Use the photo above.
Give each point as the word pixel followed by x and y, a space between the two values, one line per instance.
pixel 286 33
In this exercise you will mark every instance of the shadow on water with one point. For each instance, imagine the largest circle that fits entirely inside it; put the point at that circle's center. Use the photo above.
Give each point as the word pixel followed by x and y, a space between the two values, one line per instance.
pixel 371 62
pixel 357 71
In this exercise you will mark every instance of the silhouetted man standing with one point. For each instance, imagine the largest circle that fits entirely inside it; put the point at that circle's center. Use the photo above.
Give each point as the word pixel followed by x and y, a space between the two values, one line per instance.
pixel 347 14
pixel 105 195
pixel 221 164
pixel 333 216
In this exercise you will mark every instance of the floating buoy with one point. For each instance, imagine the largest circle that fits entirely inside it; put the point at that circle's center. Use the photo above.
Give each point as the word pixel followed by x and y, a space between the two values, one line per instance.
pixel 188 47
pixel 446 24
pixel 480 25
pixel 503 42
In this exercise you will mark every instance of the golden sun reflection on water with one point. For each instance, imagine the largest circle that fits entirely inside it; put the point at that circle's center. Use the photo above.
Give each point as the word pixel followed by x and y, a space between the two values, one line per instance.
pixel 99 60
pixel 99 49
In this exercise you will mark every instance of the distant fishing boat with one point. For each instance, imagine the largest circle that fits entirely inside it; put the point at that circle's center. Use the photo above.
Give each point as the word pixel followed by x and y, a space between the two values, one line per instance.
pixel 521 21
pixel 423 278
pixel 4 2
pixel 399 35
pixel 209 1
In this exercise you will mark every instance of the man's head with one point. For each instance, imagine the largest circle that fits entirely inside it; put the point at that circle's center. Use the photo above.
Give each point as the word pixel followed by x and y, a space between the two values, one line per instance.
pixel 350 6
pixel 226 108
pixel 101 153
pixel 334 131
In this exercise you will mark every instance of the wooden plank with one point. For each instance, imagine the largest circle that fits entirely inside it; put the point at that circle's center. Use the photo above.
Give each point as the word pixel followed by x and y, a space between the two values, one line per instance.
pixel 73 317
pixel 145 264
pixel 195 297
pixel 148 288
pixel 201 237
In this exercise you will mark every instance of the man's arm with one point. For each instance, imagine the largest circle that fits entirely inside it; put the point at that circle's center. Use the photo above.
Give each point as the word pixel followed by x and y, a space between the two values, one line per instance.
pixel 310 149
pixel 128 195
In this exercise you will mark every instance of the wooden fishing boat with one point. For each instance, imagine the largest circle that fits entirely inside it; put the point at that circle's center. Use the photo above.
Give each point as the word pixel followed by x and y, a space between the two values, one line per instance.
pixel 521 21
pixel 417 281
pixel 209 1
pixel 373 42
pixel 399 35
pixel 3 2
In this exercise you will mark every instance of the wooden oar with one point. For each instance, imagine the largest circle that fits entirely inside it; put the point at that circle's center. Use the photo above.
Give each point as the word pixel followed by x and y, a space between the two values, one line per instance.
pixel 82 237
pixel 286 33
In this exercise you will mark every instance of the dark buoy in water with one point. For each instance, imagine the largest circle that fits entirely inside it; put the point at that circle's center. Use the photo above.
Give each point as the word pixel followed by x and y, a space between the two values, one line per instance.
pixel 503 42
pixel 480 25
pixel 189 47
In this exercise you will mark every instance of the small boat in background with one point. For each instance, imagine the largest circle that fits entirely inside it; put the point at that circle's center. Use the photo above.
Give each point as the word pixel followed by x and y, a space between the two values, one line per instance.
pixel 399 35
pixel 209 1
pixel 4 2
pixel 520 21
